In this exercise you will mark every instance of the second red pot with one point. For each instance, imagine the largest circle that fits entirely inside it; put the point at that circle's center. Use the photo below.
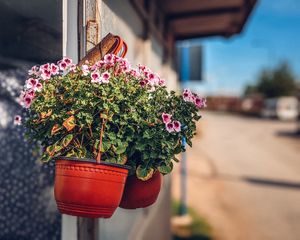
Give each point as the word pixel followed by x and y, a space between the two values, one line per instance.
pixel 141 194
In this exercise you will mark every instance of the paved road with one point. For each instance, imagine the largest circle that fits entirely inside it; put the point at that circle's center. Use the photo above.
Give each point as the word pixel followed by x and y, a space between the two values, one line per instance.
pixel 244 177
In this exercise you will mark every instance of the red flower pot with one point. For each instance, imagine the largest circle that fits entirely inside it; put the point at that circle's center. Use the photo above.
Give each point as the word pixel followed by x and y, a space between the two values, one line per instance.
pixel 87 189
pixel 141 194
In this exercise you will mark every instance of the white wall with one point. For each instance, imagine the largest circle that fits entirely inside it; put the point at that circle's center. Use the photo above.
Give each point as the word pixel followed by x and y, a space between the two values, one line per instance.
pixel 119 18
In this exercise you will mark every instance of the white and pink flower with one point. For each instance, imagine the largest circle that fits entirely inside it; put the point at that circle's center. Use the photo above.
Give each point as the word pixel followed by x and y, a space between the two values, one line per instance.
pixel 68 61
pixel 166 117
pixel 85 70
pixel 187 95
pixel 72 68
pixel 162 82
pixel 143 83
pixel 34 71
pixel 30 93
pixel 46 74
pixel 27 100
pixel 38 87
pixel 200 102
pixel 124 65
pixel 45 66
pixel 54 69
pixel 142 68
pixel 104 78
pixel 31 83
pixel 95 77
pixel 62 65
pixel 134 73
pixel 177 126
pixel 17 120
pixel 170 127
pixel 109 59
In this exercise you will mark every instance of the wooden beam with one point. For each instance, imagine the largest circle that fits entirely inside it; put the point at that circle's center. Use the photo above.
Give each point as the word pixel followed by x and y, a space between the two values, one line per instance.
pixel 187 36
pixel 180 6
pixel 148 16
pixel 201 24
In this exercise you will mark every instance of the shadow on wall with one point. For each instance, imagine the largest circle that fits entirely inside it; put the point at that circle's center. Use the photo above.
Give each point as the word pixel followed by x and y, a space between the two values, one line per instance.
pixel 27 207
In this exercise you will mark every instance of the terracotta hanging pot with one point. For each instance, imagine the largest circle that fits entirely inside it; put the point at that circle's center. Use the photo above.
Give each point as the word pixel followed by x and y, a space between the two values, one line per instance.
pixel 88 189
pixel 141 194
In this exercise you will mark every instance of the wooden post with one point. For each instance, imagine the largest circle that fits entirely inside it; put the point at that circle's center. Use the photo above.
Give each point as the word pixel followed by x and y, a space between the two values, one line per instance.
pixel 87 228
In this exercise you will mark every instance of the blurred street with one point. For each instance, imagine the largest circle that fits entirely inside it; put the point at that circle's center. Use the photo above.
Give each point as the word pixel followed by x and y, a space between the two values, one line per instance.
pixel 243 177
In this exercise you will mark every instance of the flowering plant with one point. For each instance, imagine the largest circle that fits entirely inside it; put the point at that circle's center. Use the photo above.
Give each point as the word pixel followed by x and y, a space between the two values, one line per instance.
pixel 110 112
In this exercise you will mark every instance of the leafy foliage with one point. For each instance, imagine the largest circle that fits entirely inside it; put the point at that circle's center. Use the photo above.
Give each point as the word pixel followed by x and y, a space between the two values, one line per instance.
pixel 274 83
pixel 110 112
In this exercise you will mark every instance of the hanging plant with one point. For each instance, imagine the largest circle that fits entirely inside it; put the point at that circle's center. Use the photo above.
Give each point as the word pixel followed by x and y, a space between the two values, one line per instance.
pixel 117 115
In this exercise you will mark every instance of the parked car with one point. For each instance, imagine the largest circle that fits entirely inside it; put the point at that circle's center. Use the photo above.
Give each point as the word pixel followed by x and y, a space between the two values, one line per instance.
pixel 283 108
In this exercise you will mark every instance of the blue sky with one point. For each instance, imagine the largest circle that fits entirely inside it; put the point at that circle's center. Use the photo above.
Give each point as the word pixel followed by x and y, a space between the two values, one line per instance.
pixel 271 35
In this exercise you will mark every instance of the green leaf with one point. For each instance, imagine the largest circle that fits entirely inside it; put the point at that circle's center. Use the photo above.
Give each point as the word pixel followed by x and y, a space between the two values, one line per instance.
pixel 121 159
pixel 144 173
pixel 105 146
pixel 103 116
pixel 57 148
pixel 165 168
pixel 67 140
pixel 178 149
pixel 189 142
pixel 51 150
pixel 197 117
pixel 121 149
pixel 45 158
pixel 111 136
pixel 111 160
pixel 176 159
pixel 140 146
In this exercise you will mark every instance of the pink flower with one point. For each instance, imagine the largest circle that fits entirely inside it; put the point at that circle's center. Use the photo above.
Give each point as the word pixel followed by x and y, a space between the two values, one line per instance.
pixel 105 77
pixel 151 76
pixel 99 64
pixel 30 93
pixel 200 102
pixel 142 67
pixel 187 95
pixel 166 117
pixel 31 83
pixel 46 74
pixel 109 59
pixel 85 70
pixel 38 87
pixel 27 101
pixel 68 61
pixel 54 69
pixel 17 120
pixel 134 73
pixel 124 65
pixel 33 71
pixel 45 66
pixel 72 67
pixel 95 77
pixel 170 127
pixel 177 126
pixel 143 83
pixel 162 82
pixel 63 65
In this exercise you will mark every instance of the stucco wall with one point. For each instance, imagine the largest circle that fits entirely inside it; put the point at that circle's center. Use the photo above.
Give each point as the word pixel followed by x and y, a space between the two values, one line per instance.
pixel 119 17
pixel 154 222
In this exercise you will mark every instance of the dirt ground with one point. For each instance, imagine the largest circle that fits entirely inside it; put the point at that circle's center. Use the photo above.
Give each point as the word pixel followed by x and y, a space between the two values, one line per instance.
pixel 244 177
